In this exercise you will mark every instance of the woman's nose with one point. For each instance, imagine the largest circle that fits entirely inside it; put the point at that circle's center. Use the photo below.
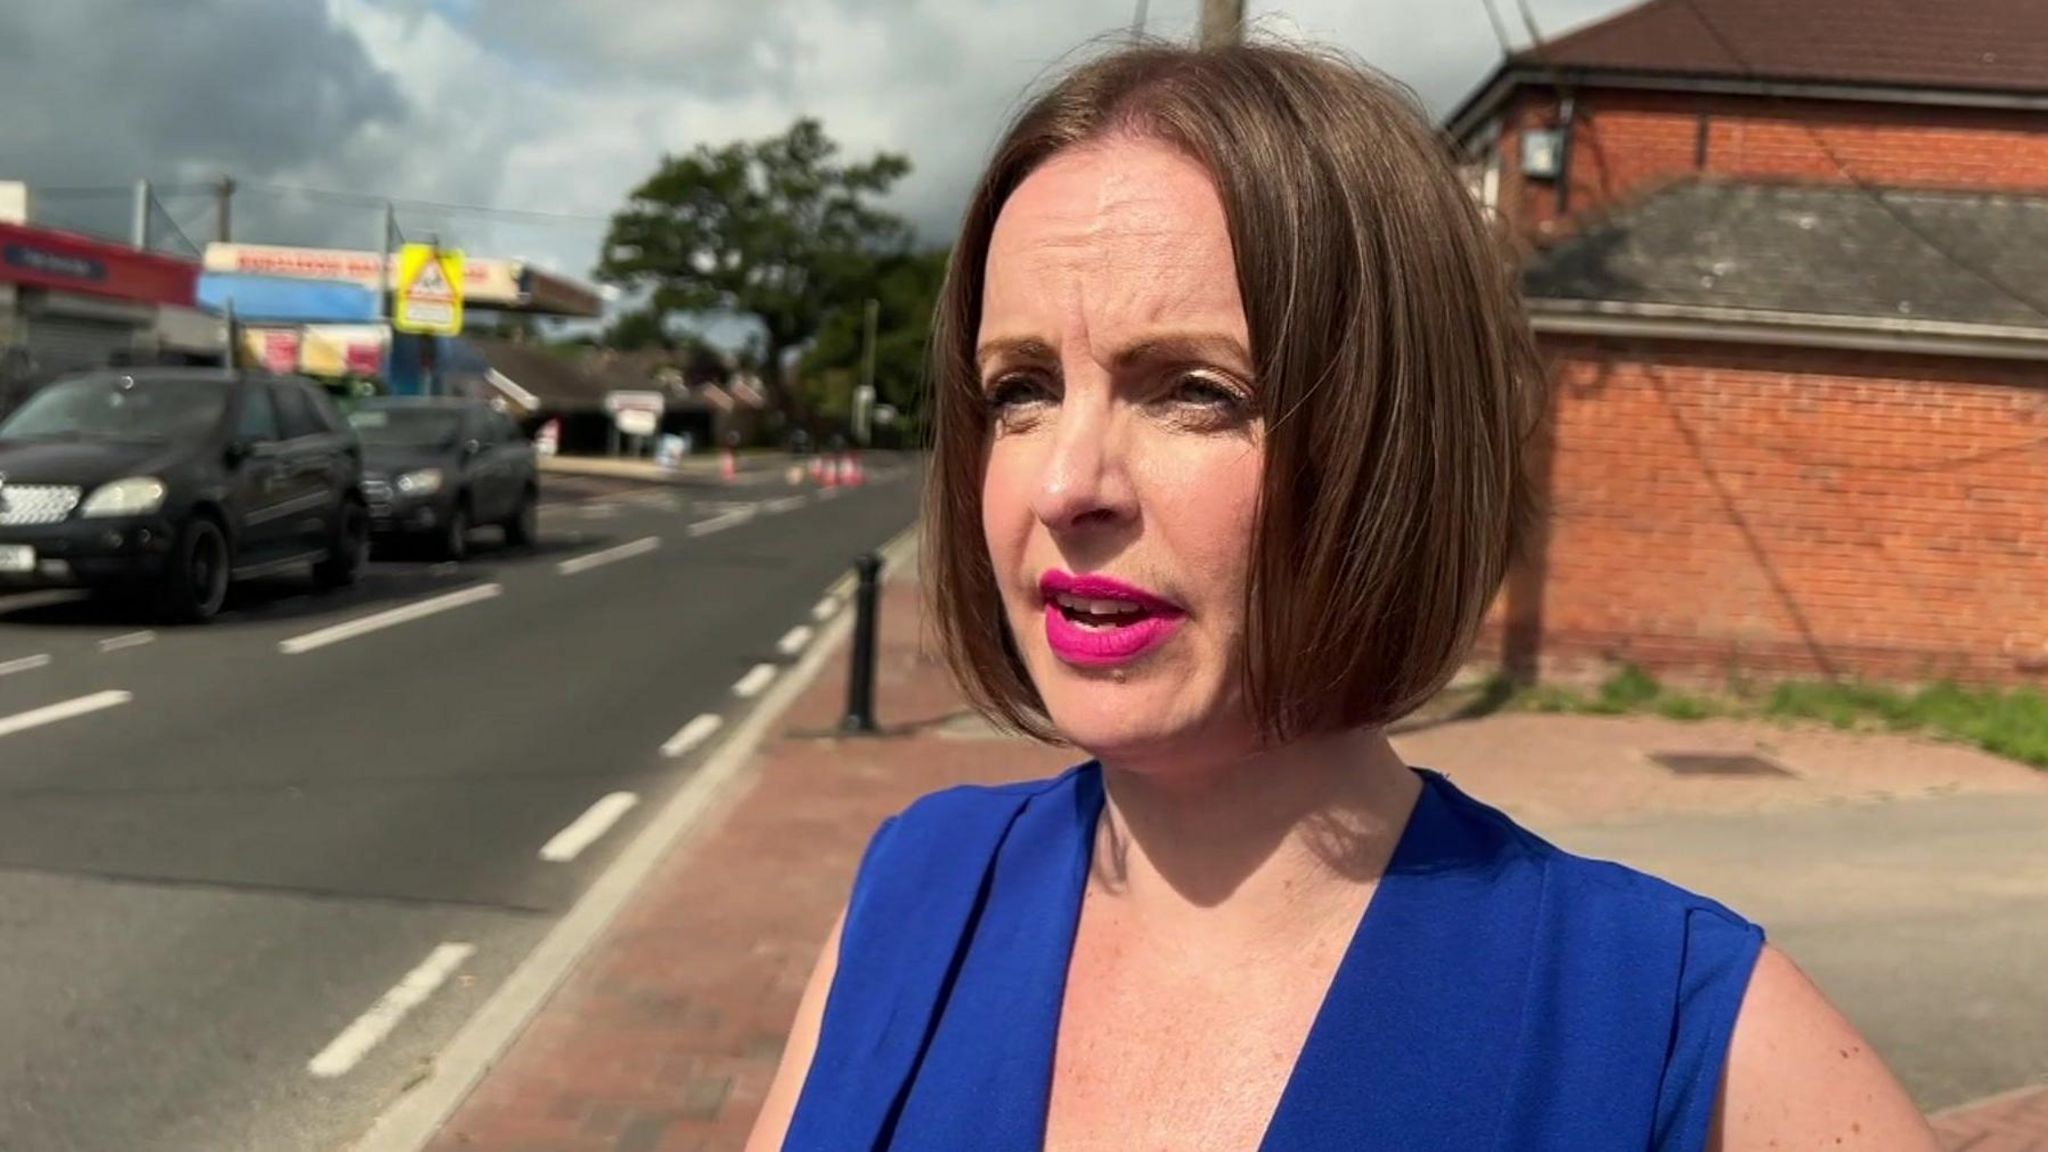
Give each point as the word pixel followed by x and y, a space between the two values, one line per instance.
pixel 1083 480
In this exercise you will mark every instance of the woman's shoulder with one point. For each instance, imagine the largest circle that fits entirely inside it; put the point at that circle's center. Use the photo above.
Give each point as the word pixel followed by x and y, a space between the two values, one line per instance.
pixel 1588 884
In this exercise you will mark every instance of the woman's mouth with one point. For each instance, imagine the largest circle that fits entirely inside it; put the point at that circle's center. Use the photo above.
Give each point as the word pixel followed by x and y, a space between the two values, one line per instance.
pixel 1096 621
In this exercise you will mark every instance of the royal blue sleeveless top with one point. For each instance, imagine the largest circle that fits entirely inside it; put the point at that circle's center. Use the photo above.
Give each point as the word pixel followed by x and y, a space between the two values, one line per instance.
pixel 1499 993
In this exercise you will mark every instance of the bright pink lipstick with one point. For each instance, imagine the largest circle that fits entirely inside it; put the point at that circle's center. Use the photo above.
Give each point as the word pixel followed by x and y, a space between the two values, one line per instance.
pixel 1097 622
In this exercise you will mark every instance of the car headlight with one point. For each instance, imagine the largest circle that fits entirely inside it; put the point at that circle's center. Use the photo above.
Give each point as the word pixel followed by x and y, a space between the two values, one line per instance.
pixel 135 496
pixel 424 482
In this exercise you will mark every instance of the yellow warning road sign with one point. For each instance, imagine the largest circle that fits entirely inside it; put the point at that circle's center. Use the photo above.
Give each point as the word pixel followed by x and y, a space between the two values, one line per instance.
pixel 429 291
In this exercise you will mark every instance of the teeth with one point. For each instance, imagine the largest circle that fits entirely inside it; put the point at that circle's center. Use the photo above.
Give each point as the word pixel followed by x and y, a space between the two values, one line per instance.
pixel 1097 607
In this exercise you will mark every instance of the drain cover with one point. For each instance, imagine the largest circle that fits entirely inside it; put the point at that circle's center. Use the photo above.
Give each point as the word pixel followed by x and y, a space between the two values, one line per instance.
pixel 1717 764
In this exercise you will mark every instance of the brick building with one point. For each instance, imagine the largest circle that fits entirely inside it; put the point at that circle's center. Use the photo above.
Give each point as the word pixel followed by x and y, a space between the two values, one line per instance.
pixel 1789 264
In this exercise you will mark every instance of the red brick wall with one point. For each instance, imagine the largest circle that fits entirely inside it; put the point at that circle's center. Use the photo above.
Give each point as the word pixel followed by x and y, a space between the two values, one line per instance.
pixel 1795 512
pixel 1629 142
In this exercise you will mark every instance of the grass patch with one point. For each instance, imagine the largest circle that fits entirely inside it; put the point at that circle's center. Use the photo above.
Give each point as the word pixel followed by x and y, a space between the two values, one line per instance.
pixel 2012 724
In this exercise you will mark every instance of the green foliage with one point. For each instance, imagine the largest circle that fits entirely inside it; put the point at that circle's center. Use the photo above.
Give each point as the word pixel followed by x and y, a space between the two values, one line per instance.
pixel 779 229
pixel 2013 724
pixel 906 287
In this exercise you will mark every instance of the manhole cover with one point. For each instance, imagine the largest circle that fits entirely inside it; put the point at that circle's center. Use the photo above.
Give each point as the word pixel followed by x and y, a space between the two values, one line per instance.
pixel 1716 764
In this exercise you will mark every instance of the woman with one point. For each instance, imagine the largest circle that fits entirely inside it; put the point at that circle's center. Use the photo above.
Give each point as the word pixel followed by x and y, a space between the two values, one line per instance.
pixel 1231 391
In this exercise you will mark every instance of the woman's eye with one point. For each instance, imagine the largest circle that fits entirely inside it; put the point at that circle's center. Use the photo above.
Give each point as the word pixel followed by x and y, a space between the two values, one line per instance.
pixel 1012 399
pixel 1208 397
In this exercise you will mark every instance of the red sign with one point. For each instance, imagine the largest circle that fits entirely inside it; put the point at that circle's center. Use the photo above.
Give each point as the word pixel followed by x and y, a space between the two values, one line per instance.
pixel 42 258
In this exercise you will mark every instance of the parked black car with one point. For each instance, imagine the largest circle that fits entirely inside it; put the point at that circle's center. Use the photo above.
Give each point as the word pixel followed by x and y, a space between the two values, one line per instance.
pixel 434 468
pixel 168 483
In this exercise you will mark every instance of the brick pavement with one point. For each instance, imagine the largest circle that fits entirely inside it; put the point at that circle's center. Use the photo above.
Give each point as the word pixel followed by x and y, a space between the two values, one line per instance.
pixel 665 1037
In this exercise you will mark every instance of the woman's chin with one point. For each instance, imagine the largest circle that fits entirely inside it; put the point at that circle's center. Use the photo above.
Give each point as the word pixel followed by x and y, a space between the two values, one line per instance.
pixel 1123 727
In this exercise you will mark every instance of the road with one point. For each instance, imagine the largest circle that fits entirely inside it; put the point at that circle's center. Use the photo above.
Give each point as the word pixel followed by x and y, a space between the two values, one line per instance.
pixel 254 874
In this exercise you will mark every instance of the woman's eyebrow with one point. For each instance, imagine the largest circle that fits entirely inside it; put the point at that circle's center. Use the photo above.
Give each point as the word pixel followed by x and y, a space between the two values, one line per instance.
pixel 1186 347
pixel 1012 348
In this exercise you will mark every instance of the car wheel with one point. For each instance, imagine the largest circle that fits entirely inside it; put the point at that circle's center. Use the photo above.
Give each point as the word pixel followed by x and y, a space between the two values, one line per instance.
pixel 196 583
pixel 350 551
pixel 524 526
pixel 454 542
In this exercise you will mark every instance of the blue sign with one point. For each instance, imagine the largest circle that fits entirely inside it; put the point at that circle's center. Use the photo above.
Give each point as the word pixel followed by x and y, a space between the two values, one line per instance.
pixel 48 263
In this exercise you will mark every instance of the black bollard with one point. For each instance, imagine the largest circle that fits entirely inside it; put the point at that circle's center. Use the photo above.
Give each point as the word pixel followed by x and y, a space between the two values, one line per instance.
pixel 860 681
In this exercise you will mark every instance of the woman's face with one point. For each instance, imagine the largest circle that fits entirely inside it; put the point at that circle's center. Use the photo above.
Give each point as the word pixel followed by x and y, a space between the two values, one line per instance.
pixel 1124 456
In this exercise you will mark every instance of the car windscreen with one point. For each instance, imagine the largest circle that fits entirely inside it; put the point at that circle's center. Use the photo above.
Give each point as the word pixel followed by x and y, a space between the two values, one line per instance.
pixel 119 408
pixel 406 427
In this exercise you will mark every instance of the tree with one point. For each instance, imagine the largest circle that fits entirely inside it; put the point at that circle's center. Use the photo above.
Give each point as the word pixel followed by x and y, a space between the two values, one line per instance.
pixel 906 286
pixel 777 229
pixel 638 330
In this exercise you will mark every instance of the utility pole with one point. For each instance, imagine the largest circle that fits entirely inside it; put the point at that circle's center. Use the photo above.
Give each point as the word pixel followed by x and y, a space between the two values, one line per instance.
pixel 1222 22
pixel 1138 20
pixel 223 196
pixel 864 400
pixel 138 233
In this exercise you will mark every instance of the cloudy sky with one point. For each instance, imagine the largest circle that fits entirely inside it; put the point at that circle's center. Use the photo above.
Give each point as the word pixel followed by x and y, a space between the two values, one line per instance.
pixel 561 106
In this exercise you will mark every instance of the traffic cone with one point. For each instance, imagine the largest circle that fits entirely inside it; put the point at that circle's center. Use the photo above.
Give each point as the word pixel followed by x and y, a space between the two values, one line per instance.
pixel 832 472
pixel 855 477
pixel 818 469
pixel 550 439
pixel 728 468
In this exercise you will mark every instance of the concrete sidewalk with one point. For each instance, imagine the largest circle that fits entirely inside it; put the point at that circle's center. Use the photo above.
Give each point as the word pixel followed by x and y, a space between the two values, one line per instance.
pixel 667 1034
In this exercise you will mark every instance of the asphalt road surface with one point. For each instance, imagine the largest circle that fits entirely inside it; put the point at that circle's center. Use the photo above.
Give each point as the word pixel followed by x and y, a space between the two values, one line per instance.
pixel 254 874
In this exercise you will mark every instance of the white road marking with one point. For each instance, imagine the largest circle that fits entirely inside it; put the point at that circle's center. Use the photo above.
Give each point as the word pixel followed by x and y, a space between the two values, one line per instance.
pixel 638 547
pixel 720 523
pixel 783 505
pixel 348 1049
pixel 823 609
pixel 841 588
pixel 445 568
pixel 600 511
pixel 793 641
pixel 692 734
pixel 596 820
pixel 362 625
pixel 29 601
pixel 69 709
pixel 130 640
pixel 25 664
pixel 757 678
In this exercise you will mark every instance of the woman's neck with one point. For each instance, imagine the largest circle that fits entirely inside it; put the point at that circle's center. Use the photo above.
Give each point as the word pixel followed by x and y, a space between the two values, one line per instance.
pixel 1270 840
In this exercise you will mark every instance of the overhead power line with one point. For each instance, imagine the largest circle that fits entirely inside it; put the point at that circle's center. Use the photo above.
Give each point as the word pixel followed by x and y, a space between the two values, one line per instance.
pixel 365 199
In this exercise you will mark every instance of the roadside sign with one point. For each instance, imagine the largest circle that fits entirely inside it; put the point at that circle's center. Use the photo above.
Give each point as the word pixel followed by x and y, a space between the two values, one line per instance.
pixel 636 413
pixel 429 291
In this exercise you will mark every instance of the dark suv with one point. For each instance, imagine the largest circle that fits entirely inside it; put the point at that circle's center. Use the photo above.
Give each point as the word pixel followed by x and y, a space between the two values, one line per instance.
pixel 433 468
pixel 170 482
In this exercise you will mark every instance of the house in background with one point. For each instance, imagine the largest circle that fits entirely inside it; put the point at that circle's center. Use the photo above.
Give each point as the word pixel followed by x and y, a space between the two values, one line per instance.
pixel 1789 265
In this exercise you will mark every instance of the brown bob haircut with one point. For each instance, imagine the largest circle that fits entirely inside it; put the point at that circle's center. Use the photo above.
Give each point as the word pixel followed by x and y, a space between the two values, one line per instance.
pixel 1395 374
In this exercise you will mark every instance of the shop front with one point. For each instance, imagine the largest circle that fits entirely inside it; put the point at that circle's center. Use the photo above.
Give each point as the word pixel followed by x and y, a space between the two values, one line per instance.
pixel 70 302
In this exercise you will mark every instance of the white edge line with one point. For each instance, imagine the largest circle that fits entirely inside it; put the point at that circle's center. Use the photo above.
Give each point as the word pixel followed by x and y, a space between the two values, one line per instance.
pixel 785 504
pixel 793 641
pixel 375 622
pixel 411 1123
pixel 721 522
pixel 757 678
pixel 25 664
pixel 586 829
pixel 365 1032
pixel 823 609
pixel 692 734
pixel 573 565
pixel 66 710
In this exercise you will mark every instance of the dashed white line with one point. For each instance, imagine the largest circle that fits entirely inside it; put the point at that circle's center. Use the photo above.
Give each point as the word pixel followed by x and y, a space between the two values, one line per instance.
pixel 692 734
pixel 841 588
pixel 130 640
pixel 68 710
pixel 584 831
pixel 350 629
pixel 348 1049
pixel 638 547
pixel 823 609
pixel 25 664
pixel 793 641
pixel 600 511
pixel 783 505
pixel 720 523
pixel 757 678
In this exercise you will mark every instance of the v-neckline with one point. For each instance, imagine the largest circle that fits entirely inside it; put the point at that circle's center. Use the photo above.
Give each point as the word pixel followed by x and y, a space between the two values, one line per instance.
pixel 1352 966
